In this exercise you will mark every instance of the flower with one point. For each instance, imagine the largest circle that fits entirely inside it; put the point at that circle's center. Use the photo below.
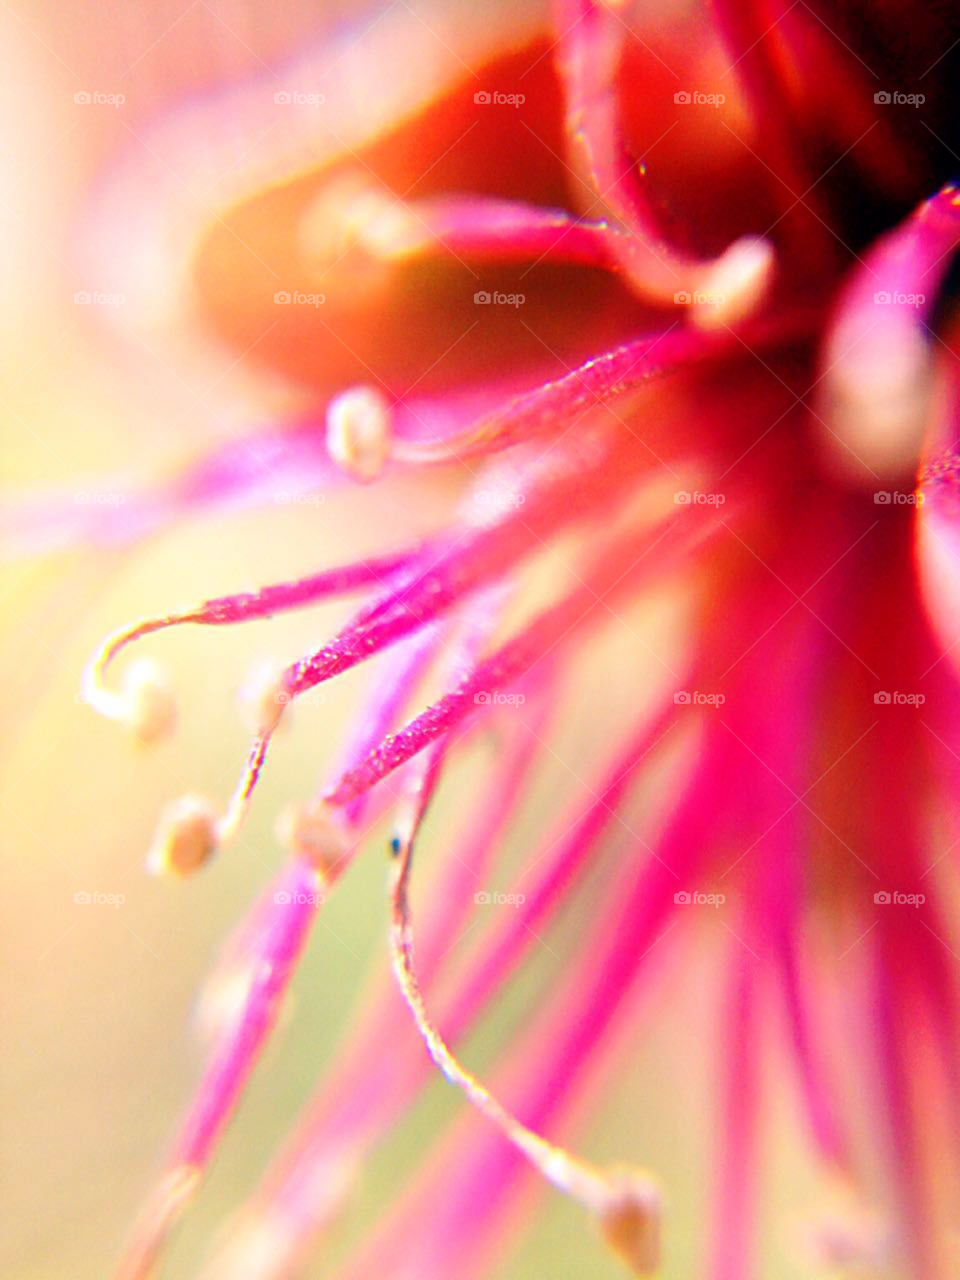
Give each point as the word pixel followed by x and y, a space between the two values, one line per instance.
pixel 693 343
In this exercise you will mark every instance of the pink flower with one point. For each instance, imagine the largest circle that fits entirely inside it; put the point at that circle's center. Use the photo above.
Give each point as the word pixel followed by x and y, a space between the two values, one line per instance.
pixel 669 306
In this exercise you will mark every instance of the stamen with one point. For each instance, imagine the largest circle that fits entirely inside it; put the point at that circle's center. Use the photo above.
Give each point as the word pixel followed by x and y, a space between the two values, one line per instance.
pixel 266 958
pixel 186 839
pixel 356 213
pixel 733 286
pixel 359 432
pixel 243 792
pixel 145 702
pixel 151 710
pixel 264 697
pixel 222 1001
pixel 315 831
pixel 630 1219
pixel 591 39
pixel 478 226
pixel 624 1202
pixel 621 371
pixel 601 379
pixel 170 1197
pixel 880 367
pixel 366 1088
pixel 557 491
pixel 618 570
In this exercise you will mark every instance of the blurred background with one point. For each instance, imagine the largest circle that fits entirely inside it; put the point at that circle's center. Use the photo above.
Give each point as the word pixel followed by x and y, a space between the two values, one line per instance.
pixel 99 1054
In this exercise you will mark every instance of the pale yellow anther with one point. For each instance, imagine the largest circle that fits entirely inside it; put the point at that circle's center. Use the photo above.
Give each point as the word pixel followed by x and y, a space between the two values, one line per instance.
pixel 353 211
pixel 314 831
pixel 150 706
pixel 630 1220
pixel 393 232
pixel 733 286
pixel 186 839
pixel 359 432
pixel 266 699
